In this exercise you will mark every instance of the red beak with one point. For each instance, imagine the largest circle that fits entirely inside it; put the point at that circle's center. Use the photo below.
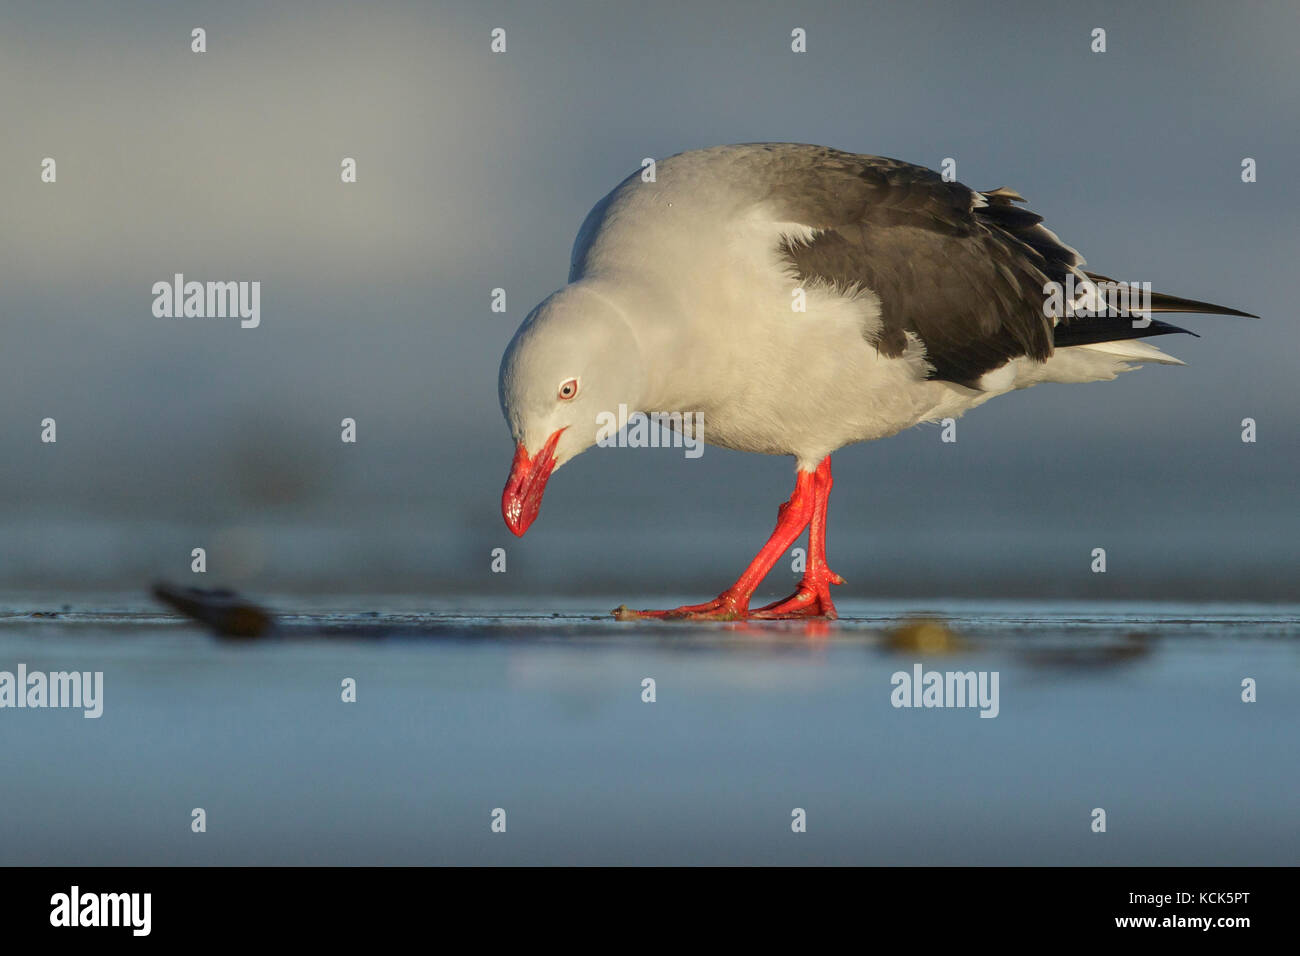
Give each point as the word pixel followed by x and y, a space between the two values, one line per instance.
pixel 523 495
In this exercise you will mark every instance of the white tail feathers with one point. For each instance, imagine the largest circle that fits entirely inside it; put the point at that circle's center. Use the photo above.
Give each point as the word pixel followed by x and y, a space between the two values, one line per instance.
pixel 1131 350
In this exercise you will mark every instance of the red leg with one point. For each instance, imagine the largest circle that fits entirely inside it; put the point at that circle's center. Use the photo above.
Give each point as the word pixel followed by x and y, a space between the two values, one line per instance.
pixel 813 598
pixel 792 518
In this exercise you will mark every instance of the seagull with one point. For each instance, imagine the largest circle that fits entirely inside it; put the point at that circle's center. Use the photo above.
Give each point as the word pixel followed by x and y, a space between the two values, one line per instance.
pixel 791 299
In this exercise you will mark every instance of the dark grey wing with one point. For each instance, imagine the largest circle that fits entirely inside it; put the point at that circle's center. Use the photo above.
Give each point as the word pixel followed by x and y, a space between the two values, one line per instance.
pixel 962 271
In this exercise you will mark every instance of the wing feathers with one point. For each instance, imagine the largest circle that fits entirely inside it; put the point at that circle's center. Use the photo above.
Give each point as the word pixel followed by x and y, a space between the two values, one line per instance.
pixel 1162 302
pixel 962 271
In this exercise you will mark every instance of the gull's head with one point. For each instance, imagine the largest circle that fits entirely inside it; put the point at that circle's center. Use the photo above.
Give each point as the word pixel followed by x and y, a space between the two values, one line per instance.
pixel 572 362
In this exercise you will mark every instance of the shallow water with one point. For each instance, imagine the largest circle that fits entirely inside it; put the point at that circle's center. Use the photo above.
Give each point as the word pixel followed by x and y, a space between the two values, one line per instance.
pixel 462 709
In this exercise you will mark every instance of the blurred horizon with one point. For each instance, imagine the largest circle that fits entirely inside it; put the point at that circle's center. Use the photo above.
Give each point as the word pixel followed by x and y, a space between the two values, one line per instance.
pixel 474 172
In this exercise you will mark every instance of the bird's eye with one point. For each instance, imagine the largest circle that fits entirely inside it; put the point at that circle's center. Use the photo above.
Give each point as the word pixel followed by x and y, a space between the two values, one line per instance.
pixel 568 389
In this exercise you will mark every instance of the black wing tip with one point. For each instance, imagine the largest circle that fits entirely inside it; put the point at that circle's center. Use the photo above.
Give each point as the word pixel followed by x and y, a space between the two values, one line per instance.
pixel 1094 330
pixel 1209 308
pixel 1164 302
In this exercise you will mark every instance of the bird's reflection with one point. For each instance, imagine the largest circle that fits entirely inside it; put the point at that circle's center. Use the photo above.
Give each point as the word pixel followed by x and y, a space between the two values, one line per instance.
pixel 1054 646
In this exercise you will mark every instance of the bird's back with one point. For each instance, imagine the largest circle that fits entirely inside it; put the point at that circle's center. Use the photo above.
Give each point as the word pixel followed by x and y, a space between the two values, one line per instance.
pixel 812 297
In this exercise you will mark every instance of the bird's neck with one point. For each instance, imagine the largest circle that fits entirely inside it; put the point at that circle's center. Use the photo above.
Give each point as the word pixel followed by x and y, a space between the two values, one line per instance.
pixel 656 321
